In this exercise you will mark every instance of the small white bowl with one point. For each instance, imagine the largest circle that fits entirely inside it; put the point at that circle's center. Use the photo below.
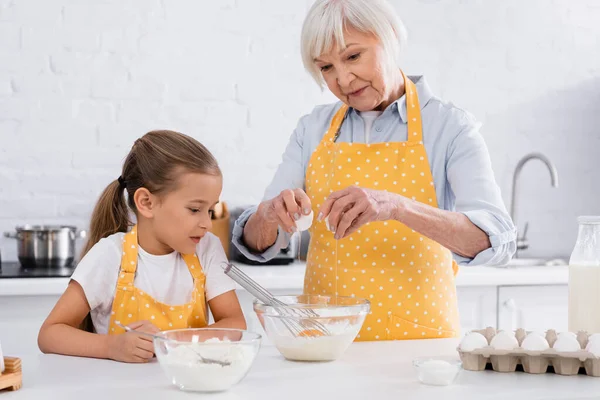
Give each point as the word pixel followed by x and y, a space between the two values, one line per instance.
pixel 437 371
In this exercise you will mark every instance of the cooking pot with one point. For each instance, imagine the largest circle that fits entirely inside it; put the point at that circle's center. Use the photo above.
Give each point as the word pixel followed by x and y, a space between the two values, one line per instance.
pixel 46 245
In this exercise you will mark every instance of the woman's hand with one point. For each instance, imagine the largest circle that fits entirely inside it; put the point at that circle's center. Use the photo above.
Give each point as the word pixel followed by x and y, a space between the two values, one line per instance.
pixel 286 208
pixel 345 211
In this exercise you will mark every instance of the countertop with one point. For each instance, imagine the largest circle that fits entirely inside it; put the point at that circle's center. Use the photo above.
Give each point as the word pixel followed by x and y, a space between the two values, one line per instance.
pixel 376 370
pixel 292 276
pixel 13 270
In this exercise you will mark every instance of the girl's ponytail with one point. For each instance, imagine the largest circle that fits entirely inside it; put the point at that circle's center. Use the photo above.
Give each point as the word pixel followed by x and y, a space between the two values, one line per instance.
pixel 110 215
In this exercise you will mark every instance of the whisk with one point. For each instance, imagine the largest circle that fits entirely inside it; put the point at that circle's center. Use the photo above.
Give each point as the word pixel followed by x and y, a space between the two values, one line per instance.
pixel 296 320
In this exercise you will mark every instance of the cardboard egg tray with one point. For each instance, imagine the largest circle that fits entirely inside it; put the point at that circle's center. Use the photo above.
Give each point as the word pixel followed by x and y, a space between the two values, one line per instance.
pixel 533 362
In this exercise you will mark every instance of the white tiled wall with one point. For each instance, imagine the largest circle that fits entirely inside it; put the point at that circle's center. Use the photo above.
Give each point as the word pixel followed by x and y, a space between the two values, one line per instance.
pixel 80 80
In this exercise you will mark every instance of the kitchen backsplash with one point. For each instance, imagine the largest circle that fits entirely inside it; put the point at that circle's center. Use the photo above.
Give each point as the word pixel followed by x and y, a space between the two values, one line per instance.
pixel 79 81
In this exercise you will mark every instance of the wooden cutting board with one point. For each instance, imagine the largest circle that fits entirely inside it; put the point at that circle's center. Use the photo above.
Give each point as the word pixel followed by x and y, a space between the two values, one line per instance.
pixel 12 377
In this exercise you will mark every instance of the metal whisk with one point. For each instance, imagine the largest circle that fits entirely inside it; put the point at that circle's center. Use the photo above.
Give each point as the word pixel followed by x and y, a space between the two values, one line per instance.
pixel 296 320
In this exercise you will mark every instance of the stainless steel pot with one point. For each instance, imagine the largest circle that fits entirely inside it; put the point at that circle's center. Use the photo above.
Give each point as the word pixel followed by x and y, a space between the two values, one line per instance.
pixel 45 245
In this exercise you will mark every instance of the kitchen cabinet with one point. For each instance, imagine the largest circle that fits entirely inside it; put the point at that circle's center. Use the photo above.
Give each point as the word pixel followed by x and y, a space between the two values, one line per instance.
pixel 21 318
pixel 477 307
pixel 533 308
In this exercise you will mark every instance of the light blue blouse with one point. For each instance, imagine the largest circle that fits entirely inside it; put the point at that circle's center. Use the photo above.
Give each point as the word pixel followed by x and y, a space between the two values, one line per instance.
pixel 458 157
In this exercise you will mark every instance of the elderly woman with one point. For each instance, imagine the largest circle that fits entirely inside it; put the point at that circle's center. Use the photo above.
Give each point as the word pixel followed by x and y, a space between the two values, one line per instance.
pixel 400 180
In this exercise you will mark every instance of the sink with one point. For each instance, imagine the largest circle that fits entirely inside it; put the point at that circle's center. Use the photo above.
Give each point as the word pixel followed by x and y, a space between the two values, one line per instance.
pixel 534 262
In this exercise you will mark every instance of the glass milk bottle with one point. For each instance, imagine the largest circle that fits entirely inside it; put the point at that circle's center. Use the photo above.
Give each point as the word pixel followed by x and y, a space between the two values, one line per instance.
pixel 584 278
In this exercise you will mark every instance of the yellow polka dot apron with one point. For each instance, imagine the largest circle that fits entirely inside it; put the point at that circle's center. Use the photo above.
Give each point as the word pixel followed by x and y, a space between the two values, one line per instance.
pixel 131 304
pixel 407 277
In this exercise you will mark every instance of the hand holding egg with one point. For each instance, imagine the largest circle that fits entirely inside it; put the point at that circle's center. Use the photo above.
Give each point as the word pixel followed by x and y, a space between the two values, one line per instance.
pixel 304 222
pixel 286 209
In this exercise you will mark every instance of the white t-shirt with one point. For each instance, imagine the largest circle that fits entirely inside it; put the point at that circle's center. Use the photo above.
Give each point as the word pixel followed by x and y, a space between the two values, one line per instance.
pixel 166 278
pixel 369 117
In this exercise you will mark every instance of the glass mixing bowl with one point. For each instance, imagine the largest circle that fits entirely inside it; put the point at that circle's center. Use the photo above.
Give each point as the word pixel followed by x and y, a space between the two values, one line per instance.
pixel 181 353
pixel 312 327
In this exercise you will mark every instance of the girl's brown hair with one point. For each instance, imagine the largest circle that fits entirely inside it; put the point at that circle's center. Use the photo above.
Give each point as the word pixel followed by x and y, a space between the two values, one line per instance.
pixel 154 162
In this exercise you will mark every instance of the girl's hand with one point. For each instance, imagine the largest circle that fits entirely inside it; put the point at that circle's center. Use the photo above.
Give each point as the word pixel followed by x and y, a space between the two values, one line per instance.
pixel 144 326
pixel 133 347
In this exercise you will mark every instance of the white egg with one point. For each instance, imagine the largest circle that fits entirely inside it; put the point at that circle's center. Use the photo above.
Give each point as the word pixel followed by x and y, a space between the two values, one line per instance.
pixel 594 348
pixel 535 342
pixel 567 343
pixel 537 333
pixel 304 222
pixel 569 334
pixel 593 338
pixel 473 341
pixel 504 340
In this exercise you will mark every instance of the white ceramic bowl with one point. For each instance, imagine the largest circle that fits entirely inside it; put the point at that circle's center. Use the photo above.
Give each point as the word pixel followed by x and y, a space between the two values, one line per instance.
pixel 178 353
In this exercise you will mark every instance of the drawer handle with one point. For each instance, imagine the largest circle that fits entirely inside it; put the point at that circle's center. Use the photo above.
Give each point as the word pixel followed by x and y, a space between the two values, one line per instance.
pixel 510 304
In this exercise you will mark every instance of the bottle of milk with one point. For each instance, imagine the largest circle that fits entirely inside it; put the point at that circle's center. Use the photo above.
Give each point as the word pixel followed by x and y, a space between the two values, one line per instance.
pixel 584 278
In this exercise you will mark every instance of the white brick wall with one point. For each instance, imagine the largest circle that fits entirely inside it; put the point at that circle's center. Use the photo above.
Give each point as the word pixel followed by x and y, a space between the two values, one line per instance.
pixel 80 80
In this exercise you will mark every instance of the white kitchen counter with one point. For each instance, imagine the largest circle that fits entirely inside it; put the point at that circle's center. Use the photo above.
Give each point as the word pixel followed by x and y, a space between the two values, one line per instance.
pixel 291 277
pixel 377 370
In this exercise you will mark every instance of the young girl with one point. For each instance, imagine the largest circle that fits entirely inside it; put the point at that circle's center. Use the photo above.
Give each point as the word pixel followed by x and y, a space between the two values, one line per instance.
pixel 156 275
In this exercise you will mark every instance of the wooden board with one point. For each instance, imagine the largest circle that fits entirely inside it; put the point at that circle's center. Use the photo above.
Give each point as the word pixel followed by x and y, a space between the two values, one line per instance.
pixel 12 377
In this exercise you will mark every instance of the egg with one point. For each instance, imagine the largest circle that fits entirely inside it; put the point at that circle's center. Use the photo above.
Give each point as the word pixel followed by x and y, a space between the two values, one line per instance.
pixel 473 341
pixel 304 222
pixel 593 347
pixel 593 338
pixel 569 334
pixel 537 334
pixel 504 340
pixel 566 343
pixel 535 342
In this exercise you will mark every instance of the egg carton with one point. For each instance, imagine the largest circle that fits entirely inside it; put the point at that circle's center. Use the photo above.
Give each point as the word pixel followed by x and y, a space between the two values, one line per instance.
pixel 533 362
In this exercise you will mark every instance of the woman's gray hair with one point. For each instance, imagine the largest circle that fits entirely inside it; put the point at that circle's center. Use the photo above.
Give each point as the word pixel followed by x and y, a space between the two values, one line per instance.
pixel 327 20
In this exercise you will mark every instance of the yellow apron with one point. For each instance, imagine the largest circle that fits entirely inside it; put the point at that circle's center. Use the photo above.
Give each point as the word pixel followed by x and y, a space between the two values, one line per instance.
pixel 131 304
pixel 407 277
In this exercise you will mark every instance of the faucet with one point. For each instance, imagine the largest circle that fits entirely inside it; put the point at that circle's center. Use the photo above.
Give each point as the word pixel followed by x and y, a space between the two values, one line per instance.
pixel 522 243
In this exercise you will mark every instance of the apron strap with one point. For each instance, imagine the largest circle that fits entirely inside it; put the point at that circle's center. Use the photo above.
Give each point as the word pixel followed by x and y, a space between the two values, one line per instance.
pixel 128 259
pixel 413 111
pixel 193 263
pixel 336 124
pixel 130 256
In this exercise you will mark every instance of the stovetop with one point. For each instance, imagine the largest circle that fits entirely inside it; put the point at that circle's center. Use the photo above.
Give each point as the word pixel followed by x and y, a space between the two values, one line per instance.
pixel 14 270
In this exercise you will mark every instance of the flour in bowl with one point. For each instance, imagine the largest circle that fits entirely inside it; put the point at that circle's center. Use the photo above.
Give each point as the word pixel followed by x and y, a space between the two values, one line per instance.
pixel 183 367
